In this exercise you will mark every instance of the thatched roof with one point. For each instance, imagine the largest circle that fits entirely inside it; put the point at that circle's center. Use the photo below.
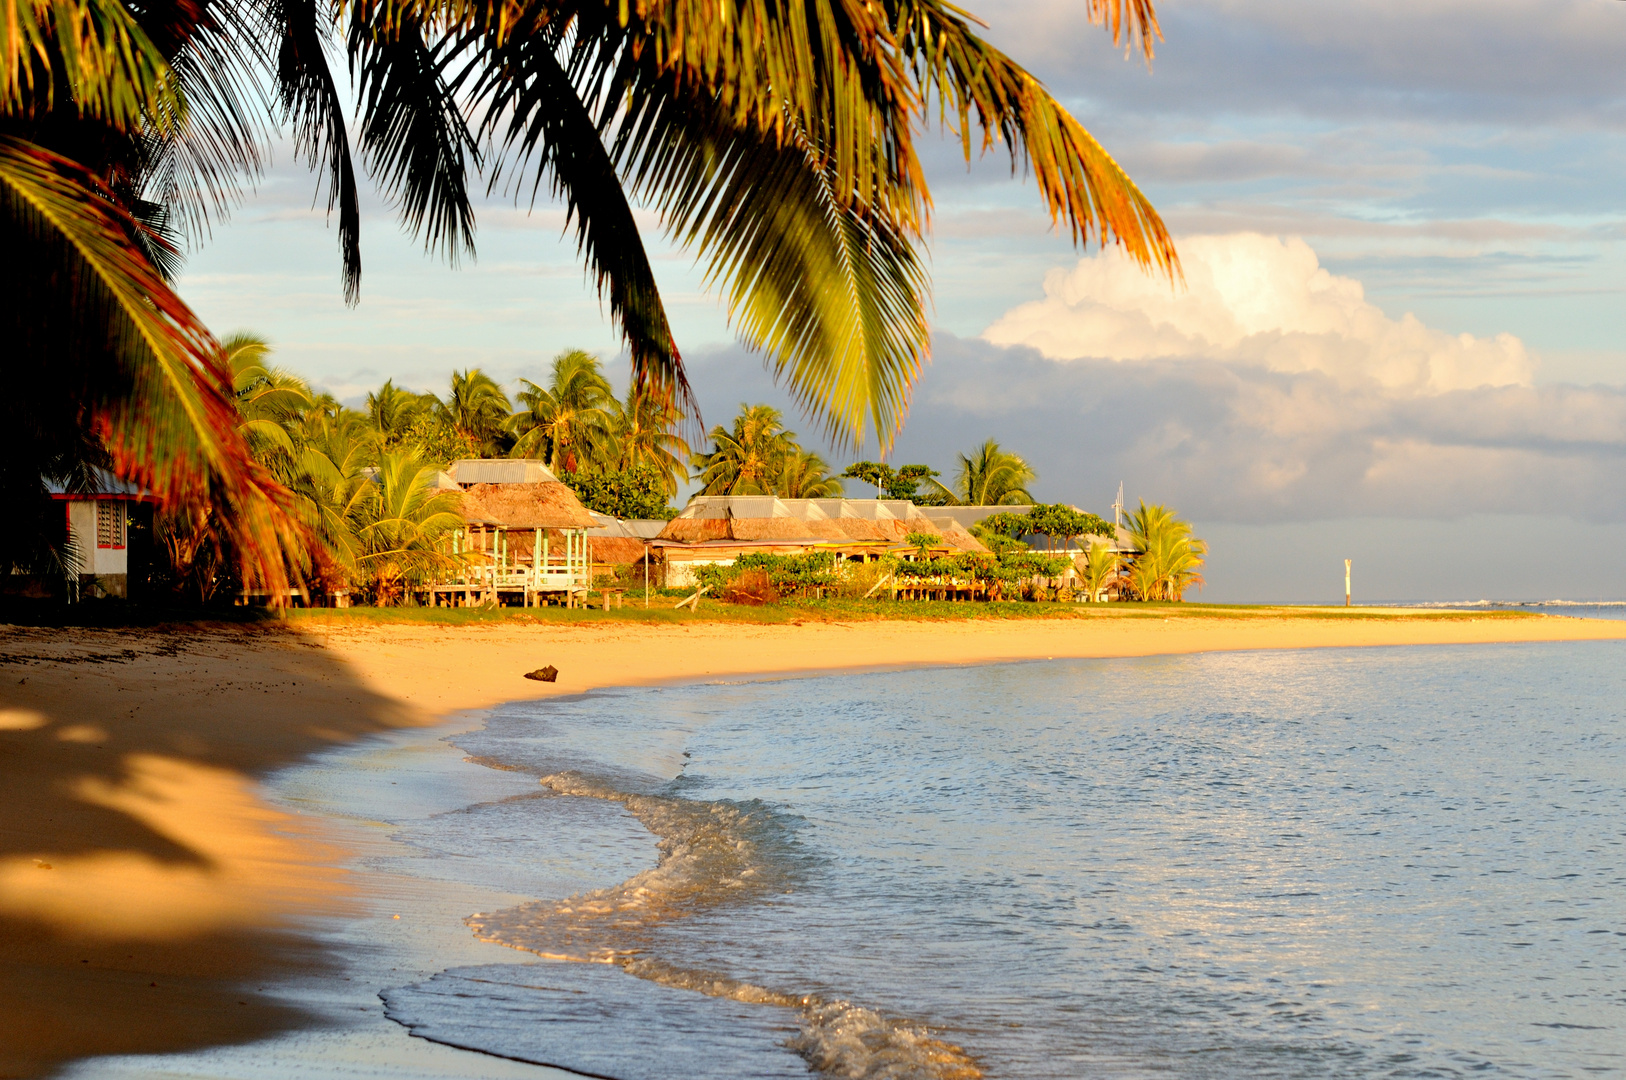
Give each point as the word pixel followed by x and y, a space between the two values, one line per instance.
pixel 695 530
pixel 956 534
pixel 615 550
pixel 778 529
pixel 546 505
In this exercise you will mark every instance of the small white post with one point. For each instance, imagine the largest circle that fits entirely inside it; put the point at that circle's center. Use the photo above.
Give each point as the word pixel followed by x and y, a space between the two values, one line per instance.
pixel 1346 582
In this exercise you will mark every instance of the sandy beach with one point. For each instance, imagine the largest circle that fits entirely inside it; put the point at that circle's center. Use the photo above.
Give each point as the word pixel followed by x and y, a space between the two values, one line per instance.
pixel 147 885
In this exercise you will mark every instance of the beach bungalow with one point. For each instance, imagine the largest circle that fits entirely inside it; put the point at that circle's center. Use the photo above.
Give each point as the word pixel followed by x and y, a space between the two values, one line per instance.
pixel 99 529
pixel 718 529
pixel 526 541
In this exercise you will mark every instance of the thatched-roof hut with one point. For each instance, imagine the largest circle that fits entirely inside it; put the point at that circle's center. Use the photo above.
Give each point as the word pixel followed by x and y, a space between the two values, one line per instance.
pixel 544 505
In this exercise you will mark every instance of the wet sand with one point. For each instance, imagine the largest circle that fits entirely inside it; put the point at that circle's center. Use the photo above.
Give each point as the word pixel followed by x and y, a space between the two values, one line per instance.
pixel 153 897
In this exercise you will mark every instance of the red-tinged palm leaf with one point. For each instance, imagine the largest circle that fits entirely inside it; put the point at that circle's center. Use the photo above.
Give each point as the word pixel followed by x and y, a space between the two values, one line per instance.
pixel 155 389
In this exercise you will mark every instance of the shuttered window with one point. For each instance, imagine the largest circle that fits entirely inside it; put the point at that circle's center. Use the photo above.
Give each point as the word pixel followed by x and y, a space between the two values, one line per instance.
pixel 109 524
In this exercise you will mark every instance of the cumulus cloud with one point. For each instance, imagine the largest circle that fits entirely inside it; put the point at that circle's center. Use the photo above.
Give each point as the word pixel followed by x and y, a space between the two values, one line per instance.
pixel 1259 301
pixel 1238 443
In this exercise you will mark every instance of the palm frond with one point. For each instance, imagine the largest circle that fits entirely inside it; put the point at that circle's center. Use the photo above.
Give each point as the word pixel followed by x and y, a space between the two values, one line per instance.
pixel 113 71
pixel 413 132
pixel 831 292
pixel 310 101
pixel 532 108
pixel 196 171
pixel 1078 180
pixel 153 384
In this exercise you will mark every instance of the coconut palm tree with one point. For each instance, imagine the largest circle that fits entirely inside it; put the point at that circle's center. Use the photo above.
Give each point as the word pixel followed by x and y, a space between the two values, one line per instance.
pixel 400 521
pixel 272 402
pixel 273 409
pixel 477 409
pixel 646 432
pixel 776 142
pixel 991 476
pixel 805 475
pixel 393 410
pixel 750 458
pixel 1101 567
pixel 1167 558
pixel 571 421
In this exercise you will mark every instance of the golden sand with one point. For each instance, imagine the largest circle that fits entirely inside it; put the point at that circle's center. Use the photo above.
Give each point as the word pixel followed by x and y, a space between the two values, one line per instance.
pixel 143 878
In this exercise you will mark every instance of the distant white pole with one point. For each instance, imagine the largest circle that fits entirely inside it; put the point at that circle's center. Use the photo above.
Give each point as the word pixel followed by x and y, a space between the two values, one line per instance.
pixel 1346 583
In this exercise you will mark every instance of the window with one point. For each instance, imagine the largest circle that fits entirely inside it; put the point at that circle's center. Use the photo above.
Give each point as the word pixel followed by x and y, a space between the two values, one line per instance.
pixel 109 524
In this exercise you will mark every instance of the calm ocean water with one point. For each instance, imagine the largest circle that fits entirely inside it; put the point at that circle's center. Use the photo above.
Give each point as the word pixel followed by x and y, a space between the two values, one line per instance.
pixel 1339 863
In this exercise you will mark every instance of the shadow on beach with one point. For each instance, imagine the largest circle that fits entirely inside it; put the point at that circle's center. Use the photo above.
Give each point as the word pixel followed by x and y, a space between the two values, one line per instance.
pixel 146 890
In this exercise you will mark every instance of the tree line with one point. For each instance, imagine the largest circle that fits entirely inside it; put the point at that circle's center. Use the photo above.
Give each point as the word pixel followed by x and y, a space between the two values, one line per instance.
pixel 361 482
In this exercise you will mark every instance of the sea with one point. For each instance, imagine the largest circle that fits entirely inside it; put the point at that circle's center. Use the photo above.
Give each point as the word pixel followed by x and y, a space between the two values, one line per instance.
pixel 1362 863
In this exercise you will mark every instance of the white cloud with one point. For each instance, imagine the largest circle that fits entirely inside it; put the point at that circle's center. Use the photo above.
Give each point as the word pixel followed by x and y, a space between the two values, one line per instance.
pixel 1258 301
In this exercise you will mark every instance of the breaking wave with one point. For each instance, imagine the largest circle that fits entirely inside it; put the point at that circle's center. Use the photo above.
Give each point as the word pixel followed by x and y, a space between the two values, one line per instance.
pixel 715 855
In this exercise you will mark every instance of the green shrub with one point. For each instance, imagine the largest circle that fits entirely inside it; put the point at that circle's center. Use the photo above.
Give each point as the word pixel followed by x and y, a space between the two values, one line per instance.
pixel 787 573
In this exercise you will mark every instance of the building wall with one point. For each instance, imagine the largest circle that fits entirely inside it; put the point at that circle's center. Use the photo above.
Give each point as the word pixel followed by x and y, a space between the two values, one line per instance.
pixel 104 569
pixel 680 572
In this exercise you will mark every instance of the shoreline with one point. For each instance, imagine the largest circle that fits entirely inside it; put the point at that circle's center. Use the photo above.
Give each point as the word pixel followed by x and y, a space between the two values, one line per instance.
pixel 146 877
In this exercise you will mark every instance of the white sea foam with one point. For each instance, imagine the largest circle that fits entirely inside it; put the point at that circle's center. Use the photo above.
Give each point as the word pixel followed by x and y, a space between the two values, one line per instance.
pixel 713 854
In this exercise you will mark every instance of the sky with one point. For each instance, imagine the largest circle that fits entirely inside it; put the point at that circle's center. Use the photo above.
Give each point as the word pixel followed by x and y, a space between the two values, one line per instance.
pixel 1401 337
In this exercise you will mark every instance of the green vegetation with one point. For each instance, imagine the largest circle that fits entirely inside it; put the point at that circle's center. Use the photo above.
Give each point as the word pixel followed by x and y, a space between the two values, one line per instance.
pixel 1058 522
pixel 990 476
pixel 638 491
pixel 1166 559
pixel 757 456
pixel 788 575
pixel 904 482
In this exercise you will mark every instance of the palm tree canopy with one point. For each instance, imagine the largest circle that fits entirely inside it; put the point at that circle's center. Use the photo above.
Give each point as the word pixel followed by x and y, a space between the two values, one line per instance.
pixel 646 432
pixel 778 143
pixel 392 409
pixel 991 476
pixel 805 475
pixel 476 408
pixel 1168 558
pixel 571 421
pixel 750 458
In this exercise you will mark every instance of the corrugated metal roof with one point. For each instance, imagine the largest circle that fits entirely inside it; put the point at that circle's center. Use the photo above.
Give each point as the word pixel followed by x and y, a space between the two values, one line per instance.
pixel 102 484
pixel 469 471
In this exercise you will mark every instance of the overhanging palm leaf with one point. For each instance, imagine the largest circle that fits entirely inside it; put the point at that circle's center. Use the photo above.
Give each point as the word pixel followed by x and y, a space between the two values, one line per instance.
pixel 834 295
pixel 149 374
pixel 113 71
pixel 413 132
pixel 310 101
pixel 544 123
pixel 1078 180
pixel 194 171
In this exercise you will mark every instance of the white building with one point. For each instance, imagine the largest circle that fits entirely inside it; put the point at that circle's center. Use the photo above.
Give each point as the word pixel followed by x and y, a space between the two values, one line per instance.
pixel 99 529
